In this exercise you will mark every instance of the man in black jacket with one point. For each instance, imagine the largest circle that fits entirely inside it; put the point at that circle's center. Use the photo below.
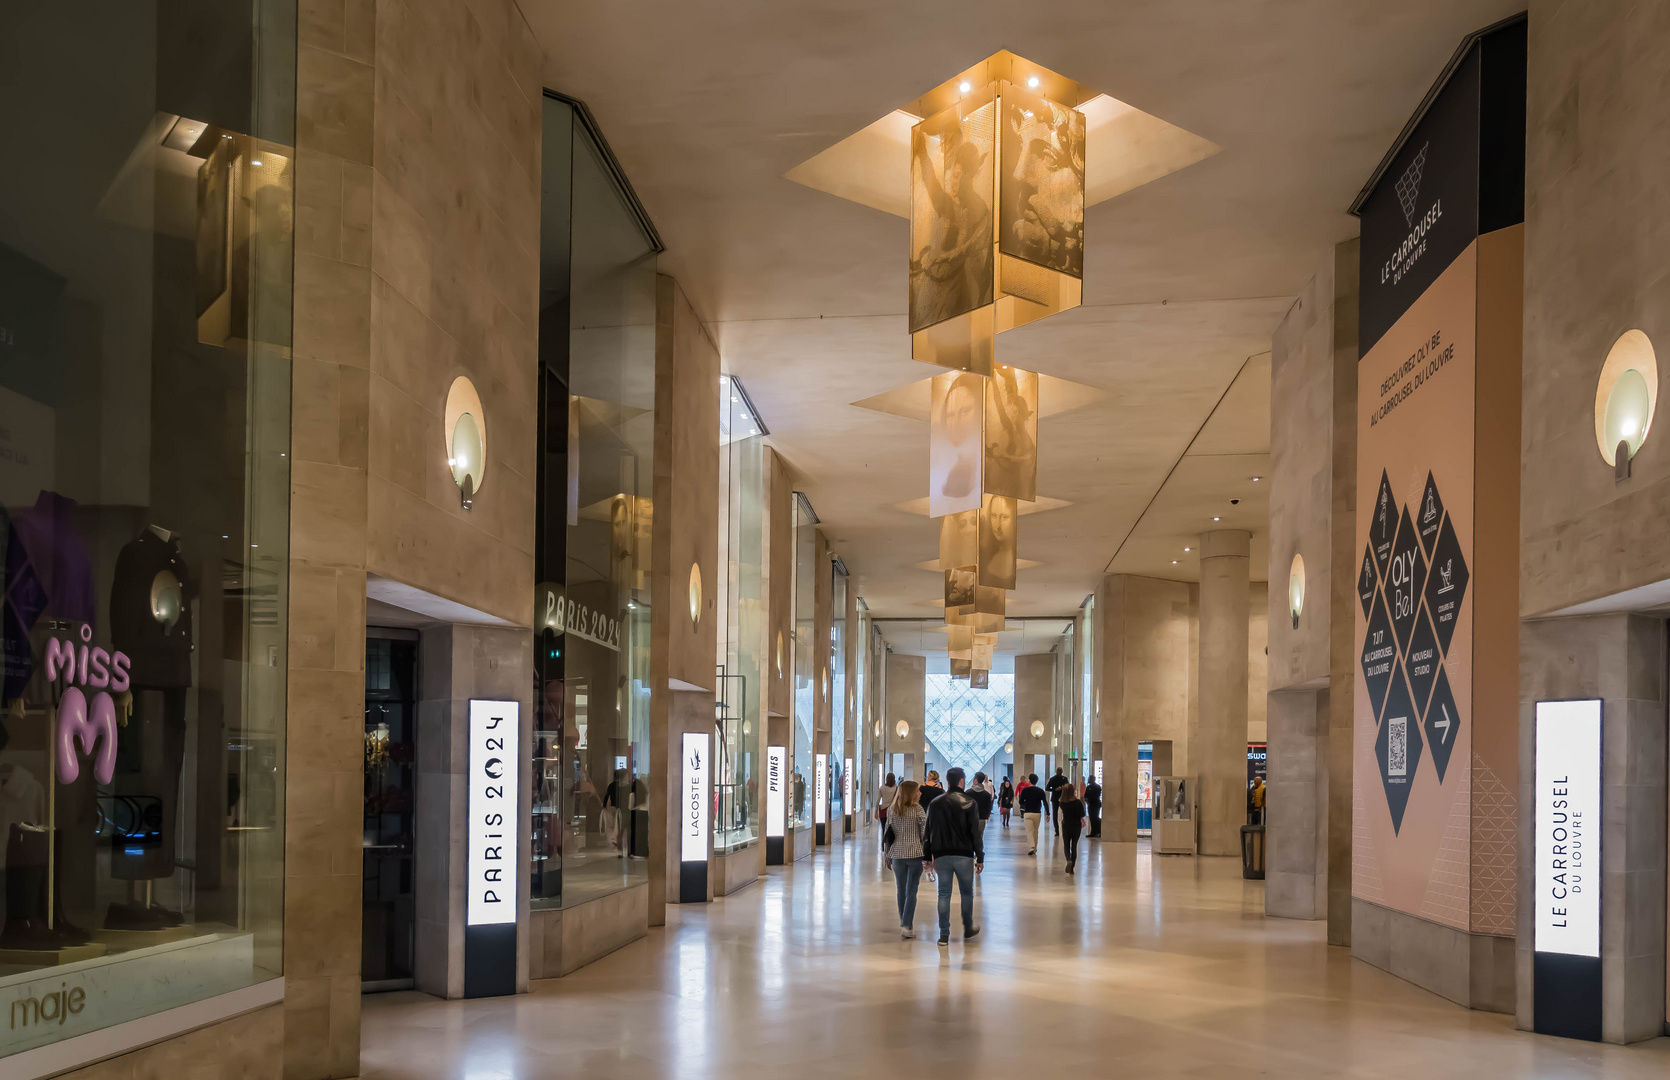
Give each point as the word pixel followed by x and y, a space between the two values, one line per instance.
pixel 1054 786
pixel 1032 810
pixel 1093 805
pixel 953 848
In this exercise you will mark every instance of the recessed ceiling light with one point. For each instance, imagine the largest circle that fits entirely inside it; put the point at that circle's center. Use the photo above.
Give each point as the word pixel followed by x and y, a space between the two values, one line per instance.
pixel 1033 82
pixel 255 163
pixel 1256 479
pixel 1217 519
pixel 1174 562
pixel 963 87
pixel 1185 549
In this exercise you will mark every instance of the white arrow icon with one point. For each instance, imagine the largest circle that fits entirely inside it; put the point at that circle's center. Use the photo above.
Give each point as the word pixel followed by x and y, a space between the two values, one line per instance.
pixel 1444 723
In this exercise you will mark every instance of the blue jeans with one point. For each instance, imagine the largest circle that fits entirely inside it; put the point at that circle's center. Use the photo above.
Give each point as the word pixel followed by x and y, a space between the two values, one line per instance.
pixel 960 867
pixel 907 874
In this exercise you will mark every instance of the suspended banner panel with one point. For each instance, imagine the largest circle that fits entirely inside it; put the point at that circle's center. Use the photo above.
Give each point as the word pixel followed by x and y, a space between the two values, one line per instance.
pixel 1010 467
pixel 956 443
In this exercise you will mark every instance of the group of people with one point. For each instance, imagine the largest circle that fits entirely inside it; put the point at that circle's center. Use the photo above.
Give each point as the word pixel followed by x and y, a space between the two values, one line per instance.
pixel 940 829
pixel 929 827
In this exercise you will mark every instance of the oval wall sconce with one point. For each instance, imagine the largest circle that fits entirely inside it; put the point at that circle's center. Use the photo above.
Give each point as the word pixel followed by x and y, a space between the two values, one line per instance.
pixel 1008 748
pixel 901 729
pixel 695 595
pixel 466 439
pixel 1037 729
pixel 1626 397
pixel 1296 589
pixel 779 654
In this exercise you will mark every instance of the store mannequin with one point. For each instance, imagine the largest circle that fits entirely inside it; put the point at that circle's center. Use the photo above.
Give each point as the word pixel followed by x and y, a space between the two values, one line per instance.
pixel 151 621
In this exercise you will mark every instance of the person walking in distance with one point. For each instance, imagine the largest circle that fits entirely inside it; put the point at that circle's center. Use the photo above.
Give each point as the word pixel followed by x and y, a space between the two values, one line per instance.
pixel 1093 806
pixel 884 799
pixel 1072 812
pixel 930 789
pixel 1054 786
pixel 901 840
pixel 955 851
pixel 1032 811
pixel 1006 800
pixel 981 792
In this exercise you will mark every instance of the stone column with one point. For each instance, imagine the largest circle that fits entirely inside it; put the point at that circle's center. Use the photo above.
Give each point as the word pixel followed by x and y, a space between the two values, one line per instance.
pixel 1219 752
pixel 1034 701
pixel 906 689
pixel 1619 659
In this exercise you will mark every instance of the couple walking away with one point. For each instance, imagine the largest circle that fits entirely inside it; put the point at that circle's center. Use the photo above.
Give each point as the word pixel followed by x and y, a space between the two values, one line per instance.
pixel 945 838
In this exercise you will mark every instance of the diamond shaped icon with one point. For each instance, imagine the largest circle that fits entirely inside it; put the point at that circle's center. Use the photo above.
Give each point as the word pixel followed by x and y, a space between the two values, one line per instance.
pixel 1429 515
pixel 1404 577
pixel 1420 661
pixel 1442 724
pixel 1398 750
pixel 1446 585
pixel 1368 579
pixel 1383 524
pixel 1379 655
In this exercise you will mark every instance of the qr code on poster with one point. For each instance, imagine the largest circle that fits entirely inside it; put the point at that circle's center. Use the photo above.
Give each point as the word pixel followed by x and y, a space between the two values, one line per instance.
pixel 1397 745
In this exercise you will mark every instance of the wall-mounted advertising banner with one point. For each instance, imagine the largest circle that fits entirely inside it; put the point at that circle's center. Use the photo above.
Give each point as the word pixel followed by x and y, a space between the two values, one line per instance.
pixel 493 849
pixel 695 828
pixel 776 802
pixel 846 789
pixel 1567 871
pixel 1436 719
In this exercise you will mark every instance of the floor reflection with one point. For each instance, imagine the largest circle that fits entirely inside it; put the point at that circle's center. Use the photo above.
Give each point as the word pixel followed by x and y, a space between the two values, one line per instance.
pixel 1162 965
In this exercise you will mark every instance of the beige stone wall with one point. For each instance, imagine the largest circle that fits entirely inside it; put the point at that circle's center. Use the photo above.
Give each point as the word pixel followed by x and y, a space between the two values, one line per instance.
pixel 1596 209
pixel 1342 593
pixel 1258 638
pixel 249 1047
pixel 1145 645
pixel 906 699
pixel 1301 488
pixel 417 225
pixel 780 583
pixel 686 534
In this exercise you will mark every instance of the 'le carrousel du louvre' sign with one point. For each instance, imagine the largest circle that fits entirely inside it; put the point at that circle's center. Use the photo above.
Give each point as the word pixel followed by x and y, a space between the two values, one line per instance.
pixel 1566 886
pixel 1435 704
pixel 493 848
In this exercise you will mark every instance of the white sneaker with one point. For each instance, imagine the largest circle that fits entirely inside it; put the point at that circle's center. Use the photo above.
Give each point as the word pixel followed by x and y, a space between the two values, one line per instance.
pixel 906 933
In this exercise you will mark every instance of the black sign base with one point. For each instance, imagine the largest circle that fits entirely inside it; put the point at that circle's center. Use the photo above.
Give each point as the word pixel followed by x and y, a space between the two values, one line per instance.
pixel 821 830
pixel 774 851
pixel 490 960
pixel 692 882
pixel 1566 996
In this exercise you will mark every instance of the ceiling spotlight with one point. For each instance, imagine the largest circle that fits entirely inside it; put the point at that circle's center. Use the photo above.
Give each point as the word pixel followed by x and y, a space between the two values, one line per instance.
pixel 1217 519
pixel 256 163
pixel 963 88
pixel 1185 549
pixel 1256 479
pixel 1174 562
pixel 1032 83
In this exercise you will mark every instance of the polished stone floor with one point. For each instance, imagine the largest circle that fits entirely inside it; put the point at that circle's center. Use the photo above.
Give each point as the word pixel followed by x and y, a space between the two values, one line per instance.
pixel 1143 966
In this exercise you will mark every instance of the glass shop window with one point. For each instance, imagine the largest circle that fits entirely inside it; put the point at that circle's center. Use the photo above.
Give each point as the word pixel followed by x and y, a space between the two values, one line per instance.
pixel 590 834
pixel 145 315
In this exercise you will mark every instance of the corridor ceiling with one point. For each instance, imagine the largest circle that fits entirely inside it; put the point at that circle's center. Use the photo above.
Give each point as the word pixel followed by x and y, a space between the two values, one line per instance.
pixel 707 106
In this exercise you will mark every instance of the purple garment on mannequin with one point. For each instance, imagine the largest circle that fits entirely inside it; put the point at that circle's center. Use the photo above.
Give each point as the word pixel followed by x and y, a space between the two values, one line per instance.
pixel 48 571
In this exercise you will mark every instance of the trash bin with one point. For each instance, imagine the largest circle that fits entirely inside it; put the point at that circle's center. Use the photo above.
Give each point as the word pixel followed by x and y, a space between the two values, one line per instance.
pixel 1252 852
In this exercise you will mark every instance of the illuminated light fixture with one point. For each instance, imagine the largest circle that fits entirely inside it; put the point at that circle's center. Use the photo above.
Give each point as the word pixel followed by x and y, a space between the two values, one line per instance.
pixel 1626 397
pixel 1296 588
pixel 1256 479
pixel 964 87
pixel 1185 549
pixel 1174 562
pixel 256 163
pixel 1032 83
pixel 465 430
pixel 695 595
pixel 1009 747
pixel 901 729
pixel 1217 519
pixel 1037 729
